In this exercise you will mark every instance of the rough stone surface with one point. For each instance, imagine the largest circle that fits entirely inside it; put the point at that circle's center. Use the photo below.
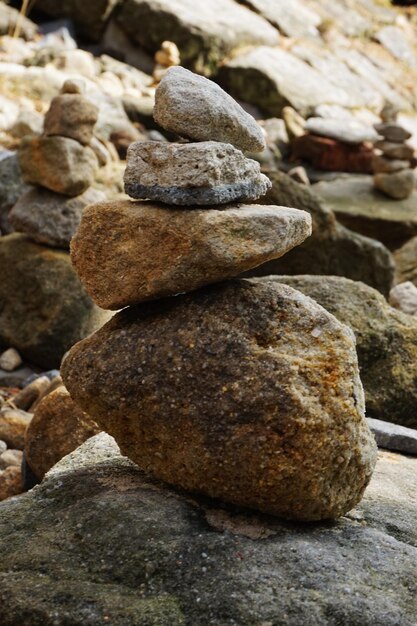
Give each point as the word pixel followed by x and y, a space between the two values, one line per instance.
pixel 31 393
pixel 332 248
pixel 193 173
pixel 404 297
pixel 10 482
pixel 406 262
pixel 392 132
pixel 51 218
pixel 393 436
pixel 234 411
pixel 347 130
pixel 364 209
pixel 13 425
pixel 386 343
pixel 57 428
pixel 11 458
pixel 127 252
pixel 169 560
pixel 57 163
pixel 11 187
pixel 294 18
pixel 195 107
pixel 71 115
pixel 399 185
pixel 49 311
pixel 205 32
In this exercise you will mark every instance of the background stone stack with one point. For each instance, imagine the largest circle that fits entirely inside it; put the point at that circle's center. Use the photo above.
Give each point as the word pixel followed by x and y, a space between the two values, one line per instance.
pixel 245 391
pixel 394 162
pixel 44 306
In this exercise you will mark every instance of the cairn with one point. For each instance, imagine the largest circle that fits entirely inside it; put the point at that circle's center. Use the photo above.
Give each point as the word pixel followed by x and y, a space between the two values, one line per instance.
pixel 61 166
pixel 393 162
pixel 245 391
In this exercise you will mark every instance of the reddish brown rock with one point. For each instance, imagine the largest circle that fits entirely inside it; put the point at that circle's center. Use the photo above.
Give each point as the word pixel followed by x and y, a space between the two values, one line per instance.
pixel 57 428
pixel 329 154
pixel 11 483
pixel 71 115
pixel 246 392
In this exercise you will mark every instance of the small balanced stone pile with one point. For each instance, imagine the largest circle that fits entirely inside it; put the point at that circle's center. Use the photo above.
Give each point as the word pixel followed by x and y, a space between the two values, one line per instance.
pixel 45 309
pixel 62 167
pixel 393 162
pixel 242 390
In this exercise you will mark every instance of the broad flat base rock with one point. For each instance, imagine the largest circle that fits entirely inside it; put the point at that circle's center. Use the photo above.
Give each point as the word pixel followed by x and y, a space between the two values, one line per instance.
pixel 393 436
pixel 245 392
pixel 193 106
pixel 99 539
pixel 386 342
pixel 128 252
pixel 204 173
pixel 366 210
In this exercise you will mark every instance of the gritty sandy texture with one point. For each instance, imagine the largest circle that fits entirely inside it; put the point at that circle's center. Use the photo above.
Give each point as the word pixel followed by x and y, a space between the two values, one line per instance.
pixel 249 393
pixel 57 428
pixel 195 173
pixel 73 116
pixel 51 218
pixel 195 107
pixel 127 252
pixel 57 163
pixel 386 342
pixel 166 559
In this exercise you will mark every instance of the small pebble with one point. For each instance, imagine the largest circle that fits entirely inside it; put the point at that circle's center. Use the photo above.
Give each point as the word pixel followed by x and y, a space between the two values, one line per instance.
pixel 28 396
pixel 3 446
pixel 11 483
pixel 11 458
pixel 10 360
pixel 13 425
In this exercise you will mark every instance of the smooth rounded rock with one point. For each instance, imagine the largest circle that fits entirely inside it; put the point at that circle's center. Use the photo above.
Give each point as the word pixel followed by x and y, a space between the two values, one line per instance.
pixel 58 427
pixel 392 132
pixel 195 107
pixel 349 131
pixel 57 163
pixel 11 483
pixel 51 218
pixel 398 185
pixel 248 393
pixel 394 150
pixel 128 252
pixel 203 173
pixel 387 165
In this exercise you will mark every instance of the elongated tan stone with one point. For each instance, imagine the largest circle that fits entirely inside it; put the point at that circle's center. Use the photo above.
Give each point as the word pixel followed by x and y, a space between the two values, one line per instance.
pixel 195 107
pixel 192 173
pixel 128 252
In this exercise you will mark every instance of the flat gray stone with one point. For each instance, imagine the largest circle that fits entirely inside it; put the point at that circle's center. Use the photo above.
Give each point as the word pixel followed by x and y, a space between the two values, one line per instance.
pixel 273 78
pixel 203 173
pixel 195 107
pixel 346 130
pixel 294 18
pixel 392 132
pixel 98 538
pixel 393 436
pixel 51 218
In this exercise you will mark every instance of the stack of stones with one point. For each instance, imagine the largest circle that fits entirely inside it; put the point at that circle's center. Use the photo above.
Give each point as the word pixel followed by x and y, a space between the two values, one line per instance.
pixel 62 167
pixel 394 161
pixel 242 390
pixel 50 310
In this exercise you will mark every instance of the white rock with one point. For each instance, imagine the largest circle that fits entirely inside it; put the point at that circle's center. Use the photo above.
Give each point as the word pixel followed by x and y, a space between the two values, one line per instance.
pixel 10 360
pixel 404 297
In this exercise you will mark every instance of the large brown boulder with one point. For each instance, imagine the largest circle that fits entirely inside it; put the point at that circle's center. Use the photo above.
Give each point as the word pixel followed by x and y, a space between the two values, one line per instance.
pixel 249 393
pixel 127 252
pixel 44 308
pixel 386 343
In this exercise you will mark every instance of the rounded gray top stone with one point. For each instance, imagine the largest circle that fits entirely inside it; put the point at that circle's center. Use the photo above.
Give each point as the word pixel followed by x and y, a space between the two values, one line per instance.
pixel 349 131
pixel 195 107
